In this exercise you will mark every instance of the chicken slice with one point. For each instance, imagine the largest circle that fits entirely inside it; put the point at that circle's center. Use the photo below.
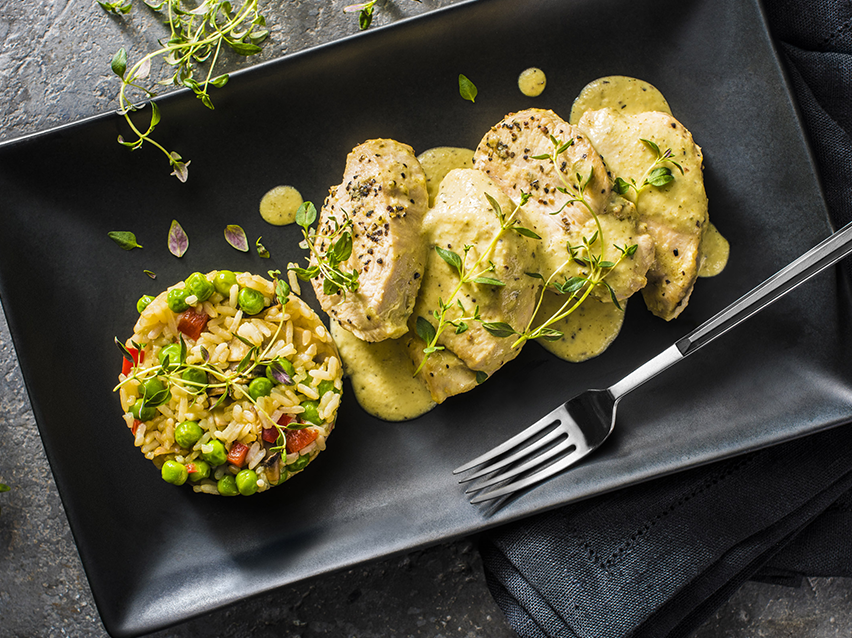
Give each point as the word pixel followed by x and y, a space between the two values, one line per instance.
pixel 675 214
pixel 507 155
pixel 444 374
pixel 384 195
pixel 463 221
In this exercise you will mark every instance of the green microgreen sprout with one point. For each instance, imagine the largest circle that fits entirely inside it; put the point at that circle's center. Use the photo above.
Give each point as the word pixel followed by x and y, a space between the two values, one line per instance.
pixel 656 175
pixel 365 12
pixel 117 7
pixel 196 36
pixel 261 249
pixel 329 249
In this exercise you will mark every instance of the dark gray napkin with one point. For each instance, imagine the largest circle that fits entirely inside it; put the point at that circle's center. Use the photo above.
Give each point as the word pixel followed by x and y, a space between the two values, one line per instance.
pixel 658 559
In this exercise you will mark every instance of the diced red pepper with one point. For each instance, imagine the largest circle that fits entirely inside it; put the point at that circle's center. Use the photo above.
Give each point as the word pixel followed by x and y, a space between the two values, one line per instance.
pixel 298 439
pixel 237 454
pixel 192 323
pixel 137 355
pixel 285 419
pixel 135 426
pixel 270 435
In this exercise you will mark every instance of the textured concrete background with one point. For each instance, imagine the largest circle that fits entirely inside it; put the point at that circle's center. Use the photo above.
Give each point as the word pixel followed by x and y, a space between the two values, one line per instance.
pixel 54 69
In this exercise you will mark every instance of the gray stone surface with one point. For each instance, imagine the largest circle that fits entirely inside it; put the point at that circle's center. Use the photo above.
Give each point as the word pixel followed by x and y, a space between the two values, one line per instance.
pixel 54 70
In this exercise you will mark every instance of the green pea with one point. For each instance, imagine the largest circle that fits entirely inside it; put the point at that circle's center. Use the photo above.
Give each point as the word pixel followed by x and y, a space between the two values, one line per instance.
pixel 223 281
pixel 172 351
pixel 187 434
pixel 174 472
pixel 281 364
pixel 299 463
pixel 259 387
pixel 155 392
pixel 145 413
pixel 202 471
pixel 246 482
pixel 176 299
pixel 217 454
pixel 327 385
pixel 144 302
pixel 228 485
pixel 250 300
pixel 199 286
pixel 311 412
pixel 196 377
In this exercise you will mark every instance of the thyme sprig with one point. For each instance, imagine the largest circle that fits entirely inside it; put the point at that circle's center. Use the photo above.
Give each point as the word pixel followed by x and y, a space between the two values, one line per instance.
pixel 656 175
pixel 197 36
pixel 589 255
pixel 328 251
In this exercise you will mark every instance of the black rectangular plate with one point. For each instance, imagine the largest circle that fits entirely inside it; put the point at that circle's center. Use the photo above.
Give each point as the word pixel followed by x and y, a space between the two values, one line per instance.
pixel 155 554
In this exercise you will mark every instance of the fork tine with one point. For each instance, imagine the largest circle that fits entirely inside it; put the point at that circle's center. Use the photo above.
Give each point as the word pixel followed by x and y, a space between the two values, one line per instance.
pixel 519 454
pixel 562 447
pixel 504 447
pixel 528 481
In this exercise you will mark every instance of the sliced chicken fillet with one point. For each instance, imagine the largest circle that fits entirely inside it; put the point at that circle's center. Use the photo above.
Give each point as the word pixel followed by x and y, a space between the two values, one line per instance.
pixel 464 221
pixel 444 374
pixel 507 155
pixel 675 214
pixel 384 194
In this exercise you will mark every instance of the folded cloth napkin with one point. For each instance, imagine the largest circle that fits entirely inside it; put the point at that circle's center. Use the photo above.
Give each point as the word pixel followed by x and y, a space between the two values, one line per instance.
pixel 657 560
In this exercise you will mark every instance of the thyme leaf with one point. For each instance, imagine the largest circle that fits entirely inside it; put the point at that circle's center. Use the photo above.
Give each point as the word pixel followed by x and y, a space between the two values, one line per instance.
pixel 452 258
pixel 124 238
pixel 467 89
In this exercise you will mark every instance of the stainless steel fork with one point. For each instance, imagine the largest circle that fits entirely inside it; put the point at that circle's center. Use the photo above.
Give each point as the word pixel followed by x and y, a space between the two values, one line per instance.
pixel 578 427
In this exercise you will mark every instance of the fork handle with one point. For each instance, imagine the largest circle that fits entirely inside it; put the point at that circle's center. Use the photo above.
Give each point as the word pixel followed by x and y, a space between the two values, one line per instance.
pixel 828 252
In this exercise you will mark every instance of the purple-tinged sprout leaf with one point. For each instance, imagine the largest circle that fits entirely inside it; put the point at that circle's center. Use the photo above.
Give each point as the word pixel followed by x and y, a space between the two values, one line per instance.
pixel 181 168
pixel 178 240
pixel 276 371
pixel 236 237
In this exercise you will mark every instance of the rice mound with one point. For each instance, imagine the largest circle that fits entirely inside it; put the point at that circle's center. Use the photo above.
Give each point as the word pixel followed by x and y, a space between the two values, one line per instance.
pixel 279 439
